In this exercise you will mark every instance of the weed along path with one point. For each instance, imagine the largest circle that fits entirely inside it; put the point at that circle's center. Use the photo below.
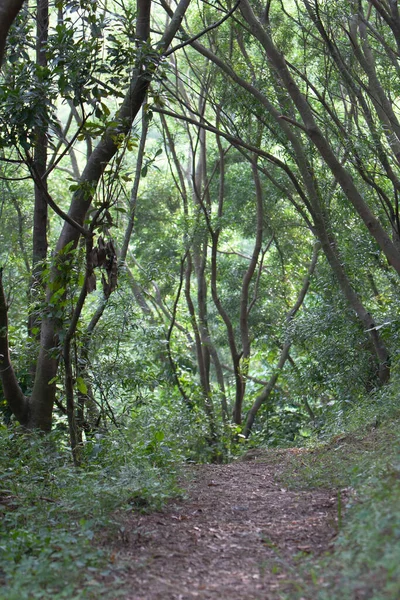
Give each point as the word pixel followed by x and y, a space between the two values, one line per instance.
pixel 235 536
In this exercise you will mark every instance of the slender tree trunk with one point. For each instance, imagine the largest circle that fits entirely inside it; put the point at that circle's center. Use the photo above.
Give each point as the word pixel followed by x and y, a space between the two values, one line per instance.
pixel 201 357
pixel 266 392
pixel 355 302
pixel 134 192
pixel 86 403
pixel 75 427
pixel 205 385
pixel 244 294
pixel 236 415
pixel 322 230
pixel 39 241
pixel 201 202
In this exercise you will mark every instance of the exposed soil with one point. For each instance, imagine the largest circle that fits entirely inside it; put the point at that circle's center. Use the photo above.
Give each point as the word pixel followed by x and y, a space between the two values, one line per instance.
pixel 236 536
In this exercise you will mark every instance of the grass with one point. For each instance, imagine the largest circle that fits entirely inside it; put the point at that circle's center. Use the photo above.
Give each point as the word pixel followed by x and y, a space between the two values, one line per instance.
pixel 55 520
pixel 364 563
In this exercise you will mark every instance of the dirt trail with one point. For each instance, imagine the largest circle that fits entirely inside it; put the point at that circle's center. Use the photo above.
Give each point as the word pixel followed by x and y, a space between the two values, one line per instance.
pixel 235 537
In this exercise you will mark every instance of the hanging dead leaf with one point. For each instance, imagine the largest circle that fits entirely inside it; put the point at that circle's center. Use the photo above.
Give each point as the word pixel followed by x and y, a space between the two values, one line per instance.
pixel 91 283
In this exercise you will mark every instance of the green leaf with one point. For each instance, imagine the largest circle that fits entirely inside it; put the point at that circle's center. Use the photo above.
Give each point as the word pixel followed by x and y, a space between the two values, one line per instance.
pixel 159 436
pixel 81 385
pixel 105 108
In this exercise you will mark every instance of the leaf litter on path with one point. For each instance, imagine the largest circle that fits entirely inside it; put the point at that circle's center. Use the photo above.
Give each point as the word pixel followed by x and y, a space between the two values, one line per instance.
pixel 235 537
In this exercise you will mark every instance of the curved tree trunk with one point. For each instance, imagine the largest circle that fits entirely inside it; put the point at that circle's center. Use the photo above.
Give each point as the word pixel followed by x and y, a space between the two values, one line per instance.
pixel 17 401
pixel 8 11
pixel 364 316
pixel 266 392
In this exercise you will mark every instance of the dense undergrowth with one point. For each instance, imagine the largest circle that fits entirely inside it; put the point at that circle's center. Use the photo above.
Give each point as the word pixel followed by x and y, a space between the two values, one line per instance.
pixel 361 459
pixel 55 520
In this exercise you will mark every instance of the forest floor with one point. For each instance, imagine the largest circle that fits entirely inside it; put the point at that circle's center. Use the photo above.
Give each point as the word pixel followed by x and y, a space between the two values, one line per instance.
pixel 237 534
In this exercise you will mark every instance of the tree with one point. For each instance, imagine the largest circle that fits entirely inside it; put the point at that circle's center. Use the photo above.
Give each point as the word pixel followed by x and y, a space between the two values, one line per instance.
pixel 37 410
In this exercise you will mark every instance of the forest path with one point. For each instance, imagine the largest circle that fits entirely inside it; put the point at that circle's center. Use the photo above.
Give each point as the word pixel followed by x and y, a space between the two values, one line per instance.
pixel 235 537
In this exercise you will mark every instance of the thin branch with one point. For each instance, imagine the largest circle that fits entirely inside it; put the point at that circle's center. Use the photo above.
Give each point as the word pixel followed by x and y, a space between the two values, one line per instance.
pixel 190 41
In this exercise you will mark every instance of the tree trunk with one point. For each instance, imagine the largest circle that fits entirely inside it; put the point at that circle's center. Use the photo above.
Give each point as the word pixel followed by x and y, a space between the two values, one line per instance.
pixel 354 301
pixel 266 392
pixel 8 11
pixel 244 294
pixel 17 401
pixel 39 241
